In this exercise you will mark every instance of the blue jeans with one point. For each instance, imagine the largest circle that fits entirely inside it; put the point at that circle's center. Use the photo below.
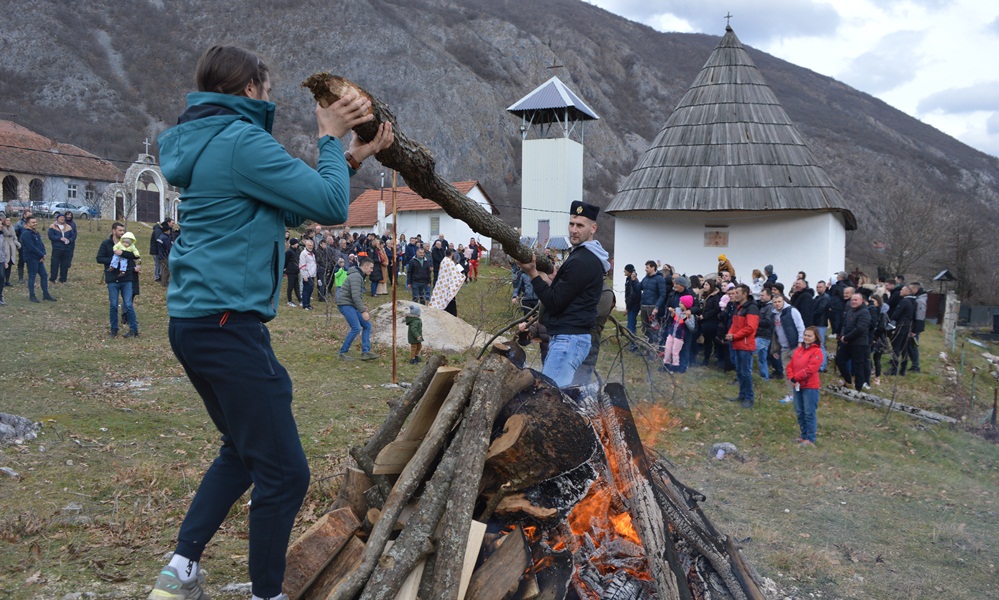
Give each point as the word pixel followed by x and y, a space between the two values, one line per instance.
pixel 565 353
pixel 307 287
pixel 247 394
pixel 806 404
pixel 744 373
pixel 762 349
pixel 822 344
pixel 37 268
pixel 357 325
pixel 421 292
pixel 632 320
pixel 123 289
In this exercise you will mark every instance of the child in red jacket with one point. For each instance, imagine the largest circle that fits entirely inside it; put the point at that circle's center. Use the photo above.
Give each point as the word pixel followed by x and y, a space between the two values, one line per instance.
pixel 803 371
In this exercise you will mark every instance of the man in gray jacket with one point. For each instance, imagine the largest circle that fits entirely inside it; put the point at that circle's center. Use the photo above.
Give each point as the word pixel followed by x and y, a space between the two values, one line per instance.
pixel 350 301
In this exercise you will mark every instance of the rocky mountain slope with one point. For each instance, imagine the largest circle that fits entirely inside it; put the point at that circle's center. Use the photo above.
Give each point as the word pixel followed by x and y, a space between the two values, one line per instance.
pixel 105 74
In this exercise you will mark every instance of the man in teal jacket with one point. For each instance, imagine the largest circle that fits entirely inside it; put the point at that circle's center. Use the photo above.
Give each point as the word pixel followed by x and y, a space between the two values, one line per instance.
pixel 240 190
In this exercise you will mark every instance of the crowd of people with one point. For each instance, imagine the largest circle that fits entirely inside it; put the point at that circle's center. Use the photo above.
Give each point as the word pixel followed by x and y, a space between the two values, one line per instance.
pixel 786 329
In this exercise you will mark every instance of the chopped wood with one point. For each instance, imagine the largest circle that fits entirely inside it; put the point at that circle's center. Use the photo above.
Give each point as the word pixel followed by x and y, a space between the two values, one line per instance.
pixel 417 166
pixel 878 401
pixel 345 561
pixel 395 456
pixel 394 421
pixel 500 573
pixel 351 494
pixel 313 550
pixel 392 459
pixel 410 587
pixel 473 543
pixel 416 540
pixel 409 480
pixel 487 399
pixel 514 504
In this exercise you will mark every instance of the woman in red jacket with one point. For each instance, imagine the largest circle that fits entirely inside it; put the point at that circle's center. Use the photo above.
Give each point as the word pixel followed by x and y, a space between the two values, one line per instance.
pixel 803 372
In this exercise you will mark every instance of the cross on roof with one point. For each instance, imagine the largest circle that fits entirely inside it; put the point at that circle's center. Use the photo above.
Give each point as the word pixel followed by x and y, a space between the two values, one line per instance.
pixel 146 144
pixel 728 15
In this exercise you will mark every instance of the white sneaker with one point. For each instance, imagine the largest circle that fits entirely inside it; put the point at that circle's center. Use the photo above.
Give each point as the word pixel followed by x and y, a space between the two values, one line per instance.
pixel 292 304
pixel 786 400
pixel 865 387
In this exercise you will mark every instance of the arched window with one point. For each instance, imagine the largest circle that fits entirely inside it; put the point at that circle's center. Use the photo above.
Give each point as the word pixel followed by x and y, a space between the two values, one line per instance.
pixel 10 189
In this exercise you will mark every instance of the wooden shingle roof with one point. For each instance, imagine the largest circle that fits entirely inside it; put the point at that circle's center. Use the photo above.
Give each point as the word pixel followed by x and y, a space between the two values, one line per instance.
pixel 363 211
pixel 24 151
pixel 729 146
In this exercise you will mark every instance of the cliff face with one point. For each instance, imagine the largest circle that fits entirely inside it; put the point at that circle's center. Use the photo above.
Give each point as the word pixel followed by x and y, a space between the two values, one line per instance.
pixel 106 74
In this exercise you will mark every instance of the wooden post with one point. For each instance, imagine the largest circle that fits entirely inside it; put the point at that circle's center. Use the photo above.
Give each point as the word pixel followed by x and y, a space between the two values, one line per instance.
pixel 395 276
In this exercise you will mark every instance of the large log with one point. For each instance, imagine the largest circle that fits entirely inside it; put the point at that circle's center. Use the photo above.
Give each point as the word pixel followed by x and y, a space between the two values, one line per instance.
pixel 543 438
pixel 500 573
pixel 879 402
pixel 343 563
pixel 417 166
pixel 313 551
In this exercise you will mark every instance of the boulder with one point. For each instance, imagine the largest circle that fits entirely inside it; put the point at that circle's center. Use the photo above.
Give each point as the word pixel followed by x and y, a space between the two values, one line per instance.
pixel 441 331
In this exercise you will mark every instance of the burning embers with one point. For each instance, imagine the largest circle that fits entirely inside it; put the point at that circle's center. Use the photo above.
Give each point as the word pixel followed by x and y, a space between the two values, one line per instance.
pixel 502 487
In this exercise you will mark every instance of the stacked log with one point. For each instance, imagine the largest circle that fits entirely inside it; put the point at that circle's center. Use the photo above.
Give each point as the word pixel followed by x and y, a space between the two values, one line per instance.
pixel 466 490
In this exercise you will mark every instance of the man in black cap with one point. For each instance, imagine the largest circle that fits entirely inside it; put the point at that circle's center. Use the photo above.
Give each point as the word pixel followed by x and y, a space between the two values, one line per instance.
pixel 570 298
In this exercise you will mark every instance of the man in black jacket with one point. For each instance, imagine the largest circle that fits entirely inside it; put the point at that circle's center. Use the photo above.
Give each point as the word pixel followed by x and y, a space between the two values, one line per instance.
pixel 803 298
pixel 418 273
pixel 570 298
pixel 904 317
pixel 820 317
pixel 854 344
pixel 632 296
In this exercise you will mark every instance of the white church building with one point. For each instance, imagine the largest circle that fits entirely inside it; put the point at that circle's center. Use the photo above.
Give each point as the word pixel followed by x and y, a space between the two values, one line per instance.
pixel 730 174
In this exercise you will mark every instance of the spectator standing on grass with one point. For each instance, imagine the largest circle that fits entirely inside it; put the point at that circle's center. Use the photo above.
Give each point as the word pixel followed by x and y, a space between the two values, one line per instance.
pixel 226 284
pixel 632 296
pixel 742 337
pixel 654 291
pixel 904 317
pixel 803 299
pixel 34 258
pixel 162 257
pixel 788 331
pixel 350 303
pixel 820 316
pixel 918 323
pixel 13 247
pixel 879 342
pixel 803 373
pixel 291 270
pixel 854 343
pixel 154 240
pixel 437 253
pixel 764 332
pixel 710 318
pixel 5 256
pixel 19 227
pixel 307 269
pixel 118 280
pixel 70 248
pixel 60 235
pixel 418 274
pixel 452 277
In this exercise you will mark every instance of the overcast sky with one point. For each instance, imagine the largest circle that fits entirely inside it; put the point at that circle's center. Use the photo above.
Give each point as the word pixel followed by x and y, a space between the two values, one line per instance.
pixel 932 59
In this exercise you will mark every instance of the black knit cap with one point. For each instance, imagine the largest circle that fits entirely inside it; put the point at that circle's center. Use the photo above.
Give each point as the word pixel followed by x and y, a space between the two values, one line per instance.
pixel 582 209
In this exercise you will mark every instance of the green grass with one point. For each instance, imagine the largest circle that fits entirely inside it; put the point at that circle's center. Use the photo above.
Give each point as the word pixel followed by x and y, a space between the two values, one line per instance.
pixel 882 508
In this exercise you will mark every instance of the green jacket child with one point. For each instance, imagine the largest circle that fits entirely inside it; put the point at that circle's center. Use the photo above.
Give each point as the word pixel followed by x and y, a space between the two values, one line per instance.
pixel 415 325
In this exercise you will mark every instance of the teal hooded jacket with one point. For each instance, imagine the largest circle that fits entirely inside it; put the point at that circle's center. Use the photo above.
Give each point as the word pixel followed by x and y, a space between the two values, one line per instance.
pixel 241 189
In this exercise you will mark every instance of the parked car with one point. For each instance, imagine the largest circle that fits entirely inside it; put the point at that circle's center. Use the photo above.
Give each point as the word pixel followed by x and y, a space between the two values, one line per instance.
pixel 41 209
pixel 3 206
pixel 81 212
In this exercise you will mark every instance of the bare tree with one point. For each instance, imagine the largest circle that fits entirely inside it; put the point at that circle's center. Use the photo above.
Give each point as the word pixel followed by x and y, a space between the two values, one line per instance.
pixel 905 228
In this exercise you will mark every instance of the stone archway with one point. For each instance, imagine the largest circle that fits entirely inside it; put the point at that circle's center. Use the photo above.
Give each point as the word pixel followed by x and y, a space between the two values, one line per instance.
pixel 36 190
pixel 10 184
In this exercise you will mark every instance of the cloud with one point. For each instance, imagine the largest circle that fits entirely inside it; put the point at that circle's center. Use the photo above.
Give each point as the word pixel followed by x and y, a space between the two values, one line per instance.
pixel 992 125
pixel 993 27
pixel 894 60
pixel 981 96
pixel 755 22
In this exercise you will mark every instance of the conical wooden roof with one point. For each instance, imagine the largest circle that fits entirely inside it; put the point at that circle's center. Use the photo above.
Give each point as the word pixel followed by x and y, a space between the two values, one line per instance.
pixel 729 146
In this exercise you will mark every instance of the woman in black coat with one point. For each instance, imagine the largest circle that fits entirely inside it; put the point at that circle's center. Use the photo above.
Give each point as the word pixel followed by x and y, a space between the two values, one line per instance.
pixel 709 317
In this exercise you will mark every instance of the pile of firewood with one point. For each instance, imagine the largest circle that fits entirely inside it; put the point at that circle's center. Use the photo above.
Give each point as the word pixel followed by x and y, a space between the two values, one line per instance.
pixel 488 482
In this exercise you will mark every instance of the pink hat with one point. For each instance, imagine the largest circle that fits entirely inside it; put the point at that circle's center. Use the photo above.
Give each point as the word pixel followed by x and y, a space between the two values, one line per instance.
pixel 686 301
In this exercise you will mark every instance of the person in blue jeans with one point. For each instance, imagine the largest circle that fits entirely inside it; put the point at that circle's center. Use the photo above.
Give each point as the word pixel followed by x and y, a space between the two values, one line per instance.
pixel 118 279
pixel 350 302
pixel 33 251
pixel 764 332
pixel 225 286
pixel 570 299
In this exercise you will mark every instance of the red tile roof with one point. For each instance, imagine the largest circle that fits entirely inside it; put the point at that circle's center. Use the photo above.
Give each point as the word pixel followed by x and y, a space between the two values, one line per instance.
pixel 24 151
pixel 364 210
